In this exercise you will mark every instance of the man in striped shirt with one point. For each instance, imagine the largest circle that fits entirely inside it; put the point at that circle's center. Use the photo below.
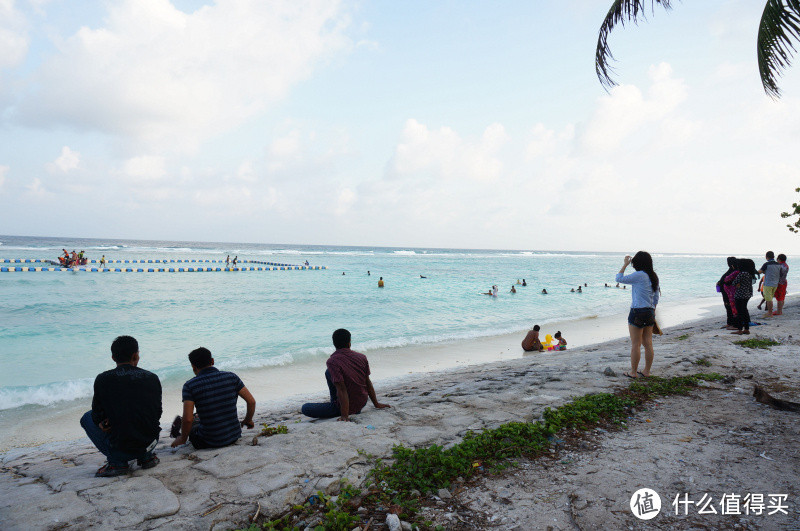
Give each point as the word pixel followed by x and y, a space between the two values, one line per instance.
pixel 214 393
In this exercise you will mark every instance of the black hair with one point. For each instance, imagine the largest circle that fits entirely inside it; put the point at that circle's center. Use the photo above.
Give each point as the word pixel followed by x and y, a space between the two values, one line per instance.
pixel 558 334
pixel 746 265
pixel 731 261
pixel 341 338
pixel 200 358
pixel 536 328
pixel 123 348
pixel 782 257
pixel 642 261
pixel 770 255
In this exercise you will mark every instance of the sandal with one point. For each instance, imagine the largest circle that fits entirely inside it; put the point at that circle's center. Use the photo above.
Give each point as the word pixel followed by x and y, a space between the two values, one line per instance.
pixel 109 471
pixel 629 376
pixel 148 462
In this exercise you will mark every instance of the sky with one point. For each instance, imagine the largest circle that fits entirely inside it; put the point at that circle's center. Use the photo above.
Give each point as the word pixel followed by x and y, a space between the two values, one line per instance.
pixel 464 124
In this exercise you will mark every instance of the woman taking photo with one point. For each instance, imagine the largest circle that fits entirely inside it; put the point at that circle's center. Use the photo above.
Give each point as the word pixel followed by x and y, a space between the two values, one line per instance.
pixel 644 298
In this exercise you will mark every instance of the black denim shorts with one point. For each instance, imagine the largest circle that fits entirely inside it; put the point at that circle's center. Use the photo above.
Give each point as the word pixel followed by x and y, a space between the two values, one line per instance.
pixel 642 317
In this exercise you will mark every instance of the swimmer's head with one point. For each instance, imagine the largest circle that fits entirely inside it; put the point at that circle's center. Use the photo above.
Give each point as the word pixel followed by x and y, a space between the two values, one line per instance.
pixel 536 328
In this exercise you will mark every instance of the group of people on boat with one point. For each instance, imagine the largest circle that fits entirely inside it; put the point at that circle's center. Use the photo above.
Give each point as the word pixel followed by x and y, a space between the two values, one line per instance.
pixel 73 259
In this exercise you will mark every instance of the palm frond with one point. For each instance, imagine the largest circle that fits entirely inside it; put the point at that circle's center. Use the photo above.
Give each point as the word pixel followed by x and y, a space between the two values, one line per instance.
pixel 620 12
pixel 780 25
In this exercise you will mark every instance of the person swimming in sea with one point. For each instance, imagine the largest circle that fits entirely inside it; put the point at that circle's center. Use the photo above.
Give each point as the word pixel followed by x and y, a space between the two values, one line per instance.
pixel 513 290
pixel 544 291
pixel 580 290
pixel 524 283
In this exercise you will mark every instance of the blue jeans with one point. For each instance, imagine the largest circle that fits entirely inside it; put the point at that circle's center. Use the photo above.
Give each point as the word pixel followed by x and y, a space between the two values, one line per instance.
pixel 101 440
pixel 324 410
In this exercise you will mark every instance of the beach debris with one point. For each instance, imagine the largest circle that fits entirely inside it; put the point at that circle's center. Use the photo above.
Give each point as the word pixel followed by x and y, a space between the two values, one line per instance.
pixel 258 511
pixel 217 507
pixel 609 372
pixel 764 455
pixel 393 522
pixel 269 431
pixel 765 398
pixel 254 442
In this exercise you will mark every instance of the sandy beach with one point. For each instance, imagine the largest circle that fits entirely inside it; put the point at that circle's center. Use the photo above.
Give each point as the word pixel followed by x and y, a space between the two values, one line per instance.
pixel 284 387
pixel 718 440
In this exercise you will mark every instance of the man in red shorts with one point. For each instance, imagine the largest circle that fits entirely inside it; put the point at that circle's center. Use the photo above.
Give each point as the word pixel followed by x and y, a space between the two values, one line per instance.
pixel 780 292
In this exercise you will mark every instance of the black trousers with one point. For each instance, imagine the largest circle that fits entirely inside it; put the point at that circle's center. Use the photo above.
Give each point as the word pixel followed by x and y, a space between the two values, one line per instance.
pixel 732 321
pixel 744 315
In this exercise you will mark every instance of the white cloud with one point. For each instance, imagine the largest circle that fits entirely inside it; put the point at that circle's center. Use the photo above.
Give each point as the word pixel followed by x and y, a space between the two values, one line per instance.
pixel 68 160
pixel 37 189
pixel 345 200
pixel 171 80
pixel 626 110
pixel 444 154
pixel 13 35
pixel 145 168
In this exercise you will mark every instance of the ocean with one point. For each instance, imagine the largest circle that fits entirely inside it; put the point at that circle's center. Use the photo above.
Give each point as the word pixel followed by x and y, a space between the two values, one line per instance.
pixel 56 327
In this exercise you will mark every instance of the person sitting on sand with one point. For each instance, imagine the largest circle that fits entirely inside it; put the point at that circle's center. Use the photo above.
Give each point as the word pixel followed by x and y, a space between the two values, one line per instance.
pixel 531 342
pixel 126 408
pixel 513 289
pixel 562 343
pixel 380 282
pixel 214 393
pixel 348 380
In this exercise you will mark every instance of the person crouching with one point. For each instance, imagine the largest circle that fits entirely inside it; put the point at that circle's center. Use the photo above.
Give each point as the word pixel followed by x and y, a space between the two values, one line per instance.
pixel 214 393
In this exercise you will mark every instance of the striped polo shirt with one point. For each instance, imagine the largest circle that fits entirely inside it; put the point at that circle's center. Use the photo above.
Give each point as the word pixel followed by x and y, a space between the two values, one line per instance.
pixel 214 394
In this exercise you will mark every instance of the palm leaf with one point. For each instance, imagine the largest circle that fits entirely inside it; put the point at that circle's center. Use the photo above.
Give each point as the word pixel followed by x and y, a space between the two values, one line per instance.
pixel 620 12
pixel 780 25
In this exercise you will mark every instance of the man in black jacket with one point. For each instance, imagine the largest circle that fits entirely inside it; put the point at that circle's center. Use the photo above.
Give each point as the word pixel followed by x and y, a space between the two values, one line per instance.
pixel 126 408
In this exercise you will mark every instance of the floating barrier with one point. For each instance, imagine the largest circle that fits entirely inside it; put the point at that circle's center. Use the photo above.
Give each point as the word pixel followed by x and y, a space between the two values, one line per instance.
pixel 165 261
pixel 201 269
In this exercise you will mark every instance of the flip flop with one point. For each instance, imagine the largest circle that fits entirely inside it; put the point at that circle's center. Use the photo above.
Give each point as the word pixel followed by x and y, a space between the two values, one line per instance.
pixel 640 372
pixel 629 376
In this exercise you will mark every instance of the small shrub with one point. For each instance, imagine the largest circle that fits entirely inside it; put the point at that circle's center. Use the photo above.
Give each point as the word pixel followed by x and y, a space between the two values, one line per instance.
pixel 755 342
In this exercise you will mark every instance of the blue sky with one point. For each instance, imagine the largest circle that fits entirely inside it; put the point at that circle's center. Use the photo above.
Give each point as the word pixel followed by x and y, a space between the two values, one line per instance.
pixel 439 124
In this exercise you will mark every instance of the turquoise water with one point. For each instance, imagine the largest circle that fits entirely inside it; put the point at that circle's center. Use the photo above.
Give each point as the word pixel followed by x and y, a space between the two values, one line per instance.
pixel 56 327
